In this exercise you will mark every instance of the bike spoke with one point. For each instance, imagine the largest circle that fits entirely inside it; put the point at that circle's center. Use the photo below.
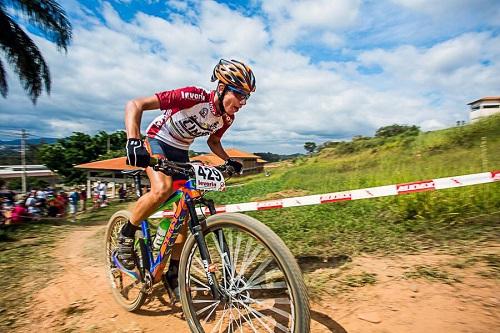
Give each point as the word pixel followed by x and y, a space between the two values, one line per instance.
pixel 192 278
pixel 223 256
pixel 214 305
pixel 219 322
pixel 261 267
pixel 273 285
pixel 265 302
pixel 245 262
pixel 260 317
pixel 210 313
pixel 249 320
pixel 273 275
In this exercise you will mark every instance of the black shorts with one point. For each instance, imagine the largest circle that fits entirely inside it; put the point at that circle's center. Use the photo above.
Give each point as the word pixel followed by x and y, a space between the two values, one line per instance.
pixel 173 154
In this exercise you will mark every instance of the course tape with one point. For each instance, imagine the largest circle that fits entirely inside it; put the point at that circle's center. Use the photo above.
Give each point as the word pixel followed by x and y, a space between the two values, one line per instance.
pixel 365 193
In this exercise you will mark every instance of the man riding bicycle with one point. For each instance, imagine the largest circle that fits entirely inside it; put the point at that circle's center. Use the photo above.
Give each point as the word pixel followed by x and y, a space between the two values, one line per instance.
pixel 189 112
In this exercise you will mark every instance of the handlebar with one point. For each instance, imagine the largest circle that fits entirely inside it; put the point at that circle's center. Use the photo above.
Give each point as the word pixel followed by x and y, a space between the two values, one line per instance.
pixel 171 168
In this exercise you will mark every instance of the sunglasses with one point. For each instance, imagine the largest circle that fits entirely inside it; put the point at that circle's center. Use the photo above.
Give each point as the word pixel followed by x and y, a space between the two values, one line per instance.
pixel 241 95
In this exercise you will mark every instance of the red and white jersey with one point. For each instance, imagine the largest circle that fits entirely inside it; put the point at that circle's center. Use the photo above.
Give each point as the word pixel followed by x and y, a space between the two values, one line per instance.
pixel 188 113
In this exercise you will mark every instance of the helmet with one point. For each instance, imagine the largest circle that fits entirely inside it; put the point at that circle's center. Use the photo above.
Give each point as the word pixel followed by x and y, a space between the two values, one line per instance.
pixel 235 74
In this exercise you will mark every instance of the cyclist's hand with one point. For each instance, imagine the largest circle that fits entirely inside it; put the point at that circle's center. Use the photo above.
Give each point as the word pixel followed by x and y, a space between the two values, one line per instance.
pixel 137 155
pixel 237 166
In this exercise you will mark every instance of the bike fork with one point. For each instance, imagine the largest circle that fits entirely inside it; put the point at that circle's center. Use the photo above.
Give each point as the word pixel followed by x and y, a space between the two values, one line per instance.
pixel 197 232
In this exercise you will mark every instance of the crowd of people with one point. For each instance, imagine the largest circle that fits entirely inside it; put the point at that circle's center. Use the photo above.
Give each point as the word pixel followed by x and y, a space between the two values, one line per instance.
pixel 42 203
pixel 38 203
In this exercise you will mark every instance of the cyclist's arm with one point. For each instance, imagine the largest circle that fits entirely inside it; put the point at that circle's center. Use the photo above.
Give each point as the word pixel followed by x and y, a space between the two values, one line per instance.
pixel 133 114
pixel 216 147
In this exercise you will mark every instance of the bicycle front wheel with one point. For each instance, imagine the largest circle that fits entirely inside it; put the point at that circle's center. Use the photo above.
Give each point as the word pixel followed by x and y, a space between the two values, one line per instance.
pixel 263 285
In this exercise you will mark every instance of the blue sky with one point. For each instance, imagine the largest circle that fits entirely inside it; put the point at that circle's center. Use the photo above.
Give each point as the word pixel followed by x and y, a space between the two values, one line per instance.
pixel 326 69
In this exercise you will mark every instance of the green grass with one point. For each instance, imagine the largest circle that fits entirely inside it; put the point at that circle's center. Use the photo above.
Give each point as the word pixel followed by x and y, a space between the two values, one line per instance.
pixel 432 274
pixel 402 223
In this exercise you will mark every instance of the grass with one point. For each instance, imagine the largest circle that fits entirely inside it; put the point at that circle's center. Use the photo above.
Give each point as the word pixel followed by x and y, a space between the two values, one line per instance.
pixel 27 263
pixel 492 261
pixel 432 274
pixel 359 280
pixel 402 223
pixel 336 282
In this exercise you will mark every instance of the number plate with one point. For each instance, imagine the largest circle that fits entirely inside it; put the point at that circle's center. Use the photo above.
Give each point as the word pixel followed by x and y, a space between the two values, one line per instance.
pixel 209 178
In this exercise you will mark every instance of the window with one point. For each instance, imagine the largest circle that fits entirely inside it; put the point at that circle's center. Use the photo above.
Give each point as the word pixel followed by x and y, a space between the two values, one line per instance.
pixel 491 106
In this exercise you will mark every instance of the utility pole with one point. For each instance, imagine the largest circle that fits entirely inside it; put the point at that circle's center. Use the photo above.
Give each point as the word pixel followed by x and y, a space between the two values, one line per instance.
pixel 108 145
pixel 23 158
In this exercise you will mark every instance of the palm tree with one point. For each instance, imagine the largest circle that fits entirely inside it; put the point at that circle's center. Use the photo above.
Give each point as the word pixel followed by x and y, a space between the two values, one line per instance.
pixel 21 52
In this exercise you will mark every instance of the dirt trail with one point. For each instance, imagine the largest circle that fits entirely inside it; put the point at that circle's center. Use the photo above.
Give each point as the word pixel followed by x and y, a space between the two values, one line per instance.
pixel 79 299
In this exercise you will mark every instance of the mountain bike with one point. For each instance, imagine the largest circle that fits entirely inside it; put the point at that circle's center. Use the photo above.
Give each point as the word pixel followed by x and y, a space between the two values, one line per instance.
pixel 235 274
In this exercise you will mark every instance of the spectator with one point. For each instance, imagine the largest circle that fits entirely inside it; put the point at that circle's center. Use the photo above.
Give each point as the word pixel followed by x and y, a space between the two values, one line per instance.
pixel 83 198
pixel 31 204
pixel 19 213
pixel 122 193
pixel 74 197
pixel 95 197
pixel 102 188
pixel 52 207
pixel 41 197
pixel 61 203
pixel 3 216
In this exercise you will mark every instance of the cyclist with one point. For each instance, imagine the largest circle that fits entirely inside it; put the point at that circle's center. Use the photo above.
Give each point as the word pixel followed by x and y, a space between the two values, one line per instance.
pixel 188 113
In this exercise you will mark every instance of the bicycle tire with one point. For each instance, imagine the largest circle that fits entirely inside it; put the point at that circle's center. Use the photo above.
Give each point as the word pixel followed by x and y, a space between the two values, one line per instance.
pixel 285 261
pixel 112 229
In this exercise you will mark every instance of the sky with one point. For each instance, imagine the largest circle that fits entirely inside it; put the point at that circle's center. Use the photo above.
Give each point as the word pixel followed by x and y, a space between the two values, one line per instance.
pixel 326 69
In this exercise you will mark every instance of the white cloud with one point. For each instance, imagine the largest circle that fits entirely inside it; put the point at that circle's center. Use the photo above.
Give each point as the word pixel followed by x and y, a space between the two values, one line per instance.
pixel 292 20
pixel 297 99
pixel 455 67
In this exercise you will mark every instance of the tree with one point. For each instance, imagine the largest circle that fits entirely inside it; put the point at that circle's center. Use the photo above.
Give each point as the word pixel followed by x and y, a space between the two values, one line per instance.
pixel 21 52
pixel 79 148
pixel 395 129
pixel 310 147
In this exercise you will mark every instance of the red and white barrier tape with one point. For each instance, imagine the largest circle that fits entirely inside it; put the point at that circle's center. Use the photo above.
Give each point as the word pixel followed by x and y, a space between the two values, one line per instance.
pixel 365 193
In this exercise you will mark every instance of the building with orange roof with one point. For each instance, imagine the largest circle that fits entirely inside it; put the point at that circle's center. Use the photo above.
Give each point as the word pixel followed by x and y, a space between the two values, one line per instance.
pixel 251 163
pixel 110 171
pixel 484 107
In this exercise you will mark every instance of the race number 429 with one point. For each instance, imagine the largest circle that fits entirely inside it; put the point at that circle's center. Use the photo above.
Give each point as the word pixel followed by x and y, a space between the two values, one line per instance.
pixel 209 178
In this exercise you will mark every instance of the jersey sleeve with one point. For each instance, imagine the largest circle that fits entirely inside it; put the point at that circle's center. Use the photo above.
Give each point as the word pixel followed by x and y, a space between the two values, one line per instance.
pixel 181 98
pixel 228 121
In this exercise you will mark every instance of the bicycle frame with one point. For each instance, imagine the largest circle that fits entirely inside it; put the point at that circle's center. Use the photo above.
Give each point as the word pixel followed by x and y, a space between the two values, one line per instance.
pixel 188 197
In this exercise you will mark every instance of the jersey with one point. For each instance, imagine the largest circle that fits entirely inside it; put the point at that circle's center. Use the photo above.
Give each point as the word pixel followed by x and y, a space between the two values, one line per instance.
pixel 187 113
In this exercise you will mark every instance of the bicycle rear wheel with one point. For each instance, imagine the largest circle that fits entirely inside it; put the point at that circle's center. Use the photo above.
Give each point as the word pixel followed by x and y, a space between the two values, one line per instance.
pixel 254 269
pixel 126 290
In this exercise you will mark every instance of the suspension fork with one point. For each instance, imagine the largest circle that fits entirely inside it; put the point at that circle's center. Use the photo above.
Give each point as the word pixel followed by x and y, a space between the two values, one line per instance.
pixel 197 231
pixel 221 239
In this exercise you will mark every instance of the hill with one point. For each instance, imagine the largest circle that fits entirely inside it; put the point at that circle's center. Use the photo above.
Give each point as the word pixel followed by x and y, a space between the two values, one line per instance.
pixel 31 141
pixel 392 223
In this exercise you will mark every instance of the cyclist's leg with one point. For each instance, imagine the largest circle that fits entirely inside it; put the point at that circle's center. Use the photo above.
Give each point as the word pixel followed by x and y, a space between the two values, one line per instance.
pixel 161 189
pixel 146 205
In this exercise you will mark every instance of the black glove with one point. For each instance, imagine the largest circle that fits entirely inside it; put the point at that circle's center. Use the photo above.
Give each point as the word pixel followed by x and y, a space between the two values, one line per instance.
pixel 237 166
pixel 137 155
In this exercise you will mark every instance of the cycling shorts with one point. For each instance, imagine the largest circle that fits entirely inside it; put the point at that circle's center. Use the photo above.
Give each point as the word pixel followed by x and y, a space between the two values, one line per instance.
pixel 161 149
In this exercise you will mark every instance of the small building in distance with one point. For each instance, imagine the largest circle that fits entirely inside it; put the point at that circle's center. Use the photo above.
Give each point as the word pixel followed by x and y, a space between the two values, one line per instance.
pixel 32 171
pixel 251 163
pixel 484 107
